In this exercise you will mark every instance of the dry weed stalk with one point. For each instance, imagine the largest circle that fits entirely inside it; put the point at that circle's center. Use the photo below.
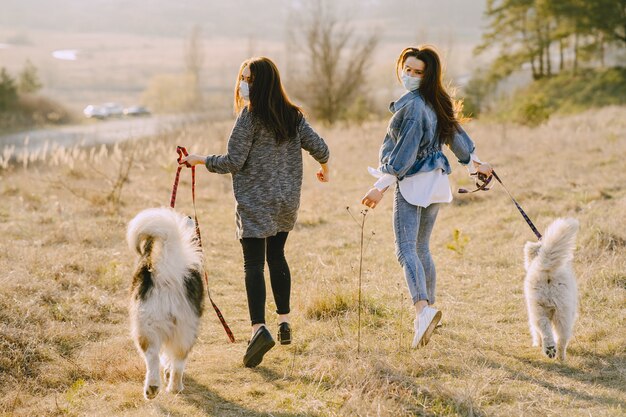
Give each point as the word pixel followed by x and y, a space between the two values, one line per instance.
pixel 125 163
pixel 361 225
pixel 117 183
pixel 123 173
pixel 400 314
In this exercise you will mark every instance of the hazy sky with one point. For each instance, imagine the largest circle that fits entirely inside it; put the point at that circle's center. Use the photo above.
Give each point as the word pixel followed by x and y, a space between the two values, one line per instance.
pixel 264 18
pixel 123 44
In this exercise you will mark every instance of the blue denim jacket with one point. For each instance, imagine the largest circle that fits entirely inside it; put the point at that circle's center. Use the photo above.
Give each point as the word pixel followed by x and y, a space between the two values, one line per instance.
pixel 411 144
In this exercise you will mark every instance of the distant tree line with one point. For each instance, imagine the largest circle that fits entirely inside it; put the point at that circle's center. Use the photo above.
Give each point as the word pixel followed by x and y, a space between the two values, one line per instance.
pixel 27 82
pixel 21 106
pixel 326 68
pixel 552 35
pixel 180 92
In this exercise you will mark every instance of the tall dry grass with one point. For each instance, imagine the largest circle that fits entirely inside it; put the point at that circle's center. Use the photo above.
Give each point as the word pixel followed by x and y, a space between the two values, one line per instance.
pixel 65 273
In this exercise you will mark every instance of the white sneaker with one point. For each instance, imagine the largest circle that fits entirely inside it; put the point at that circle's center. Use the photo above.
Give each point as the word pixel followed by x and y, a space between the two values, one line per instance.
pixel 424 325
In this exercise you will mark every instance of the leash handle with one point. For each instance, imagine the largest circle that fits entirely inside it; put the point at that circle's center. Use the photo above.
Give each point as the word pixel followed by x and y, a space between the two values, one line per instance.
pixel 182 152
pixel 482 187
pixel 530 223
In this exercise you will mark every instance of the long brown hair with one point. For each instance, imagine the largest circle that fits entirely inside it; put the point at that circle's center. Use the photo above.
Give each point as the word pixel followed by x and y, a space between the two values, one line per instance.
pixel 268 99
pixel 433 91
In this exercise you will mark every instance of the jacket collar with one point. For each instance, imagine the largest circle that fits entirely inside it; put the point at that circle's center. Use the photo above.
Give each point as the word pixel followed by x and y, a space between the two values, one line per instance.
pixel 394 106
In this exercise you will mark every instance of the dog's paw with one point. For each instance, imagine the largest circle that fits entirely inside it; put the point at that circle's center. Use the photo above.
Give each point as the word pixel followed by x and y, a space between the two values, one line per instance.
pixel 174 388
pixel 151 391
pixel 550 351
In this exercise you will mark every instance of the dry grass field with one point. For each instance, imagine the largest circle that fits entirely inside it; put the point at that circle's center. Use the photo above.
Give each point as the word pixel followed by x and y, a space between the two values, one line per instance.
pixel 65 273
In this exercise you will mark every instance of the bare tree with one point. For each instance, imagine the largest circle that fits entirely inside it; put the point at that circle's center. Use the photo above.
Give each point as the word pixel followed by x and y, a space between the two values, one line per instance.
pixel 194 60
pixel 336 62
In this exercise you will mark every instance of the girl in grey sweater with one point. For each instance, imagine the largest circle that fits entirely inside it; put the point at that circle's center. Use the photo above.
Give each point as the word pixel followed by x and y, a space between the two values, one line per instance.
pixel 264 157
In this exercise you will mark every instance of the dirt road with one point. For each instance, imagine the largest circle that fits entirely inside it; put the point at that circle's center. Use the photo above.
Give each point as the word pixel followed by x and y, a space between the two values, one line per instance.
pixel 96 133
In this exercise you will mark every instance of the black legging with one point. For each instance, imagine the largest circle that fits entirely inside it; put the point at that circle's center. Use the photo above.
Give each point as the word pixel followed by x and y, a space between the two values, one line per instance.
pixel 254 251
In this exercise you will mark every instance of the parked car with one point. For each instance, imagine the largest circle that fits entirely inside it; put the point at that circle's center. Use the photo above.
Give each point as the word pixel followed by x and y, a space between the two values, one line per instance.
pixel 114 109
pixel 95 112
pixel 135 111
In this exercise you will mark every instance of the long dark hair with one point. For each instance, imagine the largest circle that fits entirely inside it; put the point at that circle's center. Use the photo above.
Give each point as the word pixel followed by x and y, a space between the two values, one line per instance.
pixel 433 91
pixel 268 99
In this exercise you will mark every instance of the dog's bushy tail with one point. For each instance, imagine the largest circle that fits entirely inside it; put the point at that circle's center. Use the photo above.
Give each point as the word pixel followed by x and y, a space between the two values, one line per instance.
pixel 558 243
pixel 174 230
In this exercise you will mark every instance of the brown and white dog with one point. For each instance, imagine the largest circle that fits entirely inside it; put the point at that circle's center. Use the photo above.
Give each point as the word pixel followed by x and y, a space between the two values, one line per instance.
pixel 550 287
pixel 167 294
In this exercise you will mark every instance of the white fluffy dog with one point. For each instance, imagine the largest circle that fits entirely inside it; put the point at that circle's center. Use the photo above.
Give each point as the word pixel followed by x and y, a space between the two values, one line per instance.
pixel 550 287
pixel 167 294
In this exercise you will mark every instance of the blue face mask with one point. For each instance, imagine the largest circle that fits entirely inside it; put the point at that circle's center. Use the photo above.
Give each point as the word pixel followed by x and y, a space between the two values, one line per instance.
pixel 410 83
pixel 244 90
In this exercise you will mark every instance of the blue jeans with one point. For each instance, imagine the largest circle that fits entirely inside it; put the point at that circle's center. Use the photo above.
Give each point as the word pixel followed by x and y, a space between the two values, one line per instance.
pixel 412 226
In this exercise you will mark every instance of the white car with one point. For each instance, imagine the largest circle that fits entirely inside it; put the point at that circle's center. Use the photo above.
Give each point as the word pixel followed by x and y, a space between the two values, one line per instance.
pixel 113 109
pixel 95 112
pixel 136 111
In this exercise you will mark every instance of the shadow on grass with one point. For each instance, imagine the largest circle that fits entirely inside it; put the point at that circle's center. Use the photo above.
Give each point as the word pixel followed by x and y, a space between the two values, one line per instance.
pixel 213 404
pixel 270 375
pixel 415 399
pixel 405 391
pixel 598 369
pixel 408 396
pixel 564 370
pixel 167 412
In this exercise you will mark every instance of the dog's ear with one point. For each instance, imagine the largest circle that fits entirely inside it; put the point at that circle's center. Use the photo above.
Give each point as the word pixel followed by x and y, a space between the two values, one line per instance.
pixel 531 249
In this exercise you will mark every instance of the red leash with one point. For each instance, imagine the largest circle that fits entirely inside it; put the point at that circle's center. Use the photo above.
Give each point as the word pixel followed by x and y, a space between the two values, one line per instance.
pixel 181 153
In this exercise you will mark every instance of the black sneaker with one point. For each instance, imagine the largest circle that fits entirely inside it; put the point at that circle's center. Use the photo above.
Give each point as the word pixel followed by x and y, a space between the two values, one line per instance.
pixel 284 334
pixel 259 345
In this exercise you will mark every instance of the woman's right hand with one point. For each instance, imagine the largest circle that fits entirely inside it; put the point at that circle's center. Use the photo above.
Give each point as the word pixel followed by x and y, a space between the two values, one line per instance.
pixel 372 198
pixel 192 159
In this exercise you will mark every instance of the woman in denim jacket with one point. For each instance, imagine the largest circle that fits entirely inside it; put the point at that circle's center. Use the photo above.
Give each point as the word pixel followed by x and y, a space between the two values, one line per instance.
pixel 423 121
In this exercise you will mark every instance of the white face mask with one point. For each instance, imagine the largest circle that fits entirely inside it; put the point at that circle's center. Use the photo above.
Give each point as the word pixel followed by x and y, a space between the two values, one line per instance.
pixel 244 90
pixel 410 83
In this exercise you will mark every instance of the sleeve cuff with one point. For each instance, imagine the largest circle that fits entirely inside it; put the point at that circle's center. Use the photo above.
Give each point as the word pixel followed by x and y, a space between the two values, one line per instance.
pixel 470 166
pixel 385 181
pixel 208 164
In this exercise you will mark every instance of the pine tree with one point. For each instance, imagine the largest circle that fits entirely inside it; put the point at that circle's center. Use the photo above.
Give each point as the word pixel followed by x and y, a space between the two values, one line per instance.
pixel 28 79
pixel 514 27
pixel 8 91
pixel 609 17
pixel 526 30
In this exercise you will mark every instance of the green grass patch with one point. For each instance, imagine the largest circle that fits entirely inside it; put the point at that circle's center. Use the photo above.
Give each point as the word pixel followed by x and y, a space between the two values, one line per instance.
pixel 565 93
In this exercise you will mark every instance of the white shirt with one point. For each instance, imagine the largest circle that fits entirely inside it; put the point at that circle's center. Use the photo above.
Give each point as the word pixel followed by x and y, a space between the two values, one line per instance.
pixel 423 188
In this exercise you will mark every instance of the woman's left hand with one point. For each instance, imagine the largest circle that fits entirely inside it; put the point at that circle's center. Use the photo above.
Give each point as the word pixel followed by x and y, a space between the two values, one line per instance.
pixel 192 159
pixel 323 175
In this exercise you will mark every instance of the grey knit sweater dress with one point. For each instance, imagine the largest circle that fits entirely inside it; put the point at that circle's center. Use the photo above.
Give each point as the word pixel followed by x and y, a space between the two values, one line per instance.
pixel 267 176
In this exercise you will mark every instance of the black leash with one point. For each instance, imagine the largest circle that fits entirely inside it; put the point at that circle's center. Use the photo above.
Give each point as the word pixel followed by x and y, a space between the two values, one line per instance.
pixel 530 223
pixel 482 181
